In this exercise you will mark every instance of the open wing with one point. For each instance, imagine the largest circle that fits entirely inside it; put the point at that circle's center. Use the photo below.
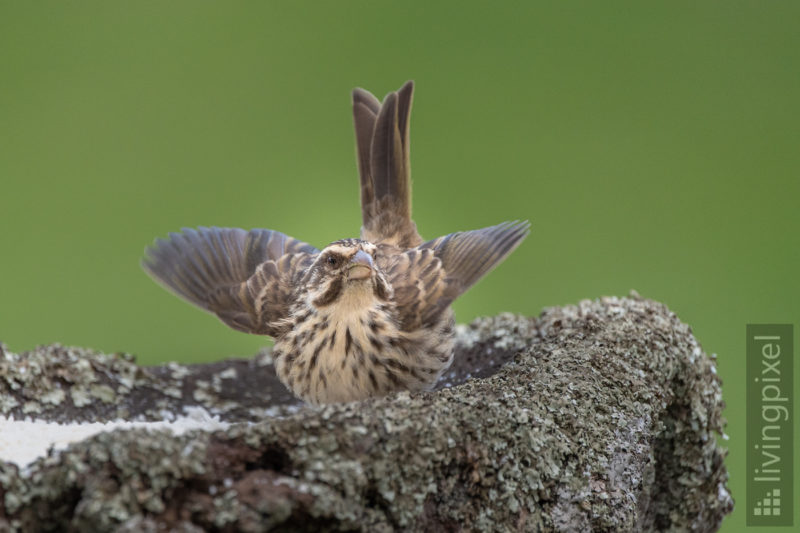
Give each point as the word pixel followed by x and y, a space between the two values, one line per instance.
pixel 427 279
pixel 244 277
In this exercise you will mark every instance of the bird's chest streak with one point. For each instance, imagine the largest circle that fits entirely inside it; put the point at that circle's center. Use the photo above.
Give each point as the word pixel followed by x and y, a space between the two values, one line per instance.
pixel 331 341
pixel 340 352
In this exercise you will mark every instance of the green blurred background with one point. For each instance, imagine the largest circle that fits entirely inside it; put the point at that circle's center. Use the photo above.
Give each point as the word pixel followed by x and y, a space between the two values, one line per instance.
pixel 653 148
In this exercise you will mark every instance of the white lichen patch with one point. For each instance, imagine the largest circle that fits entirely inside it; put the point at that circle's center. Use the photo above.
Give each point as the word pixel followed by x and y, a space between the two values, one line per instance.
pixel 230 373
pixel 80 396
pixel 54 397
pixel 177 371
pixel 24 441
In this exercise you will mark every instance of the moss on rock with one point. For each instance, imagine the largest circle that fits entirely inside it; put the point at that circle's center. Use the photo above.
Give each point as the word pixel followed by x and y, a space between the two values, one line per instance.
pixel 600 416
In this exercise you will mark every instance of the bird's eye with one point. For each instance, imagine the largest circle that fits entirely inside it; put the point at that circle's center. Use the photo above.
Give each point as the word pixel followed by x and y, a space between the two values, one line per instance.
pixel 332 260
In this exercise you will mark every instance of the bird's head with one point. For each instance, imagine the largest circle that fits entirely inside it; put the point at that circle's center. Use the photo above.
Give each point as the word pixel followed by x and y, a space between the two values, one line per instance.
pixel 347 270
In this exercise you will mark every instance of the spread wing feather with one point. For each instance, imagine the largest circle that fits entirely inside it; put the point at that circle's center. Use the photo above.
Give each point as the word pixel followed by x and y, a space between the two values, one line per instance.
pixel 428 278
pixel 244 277
pixel 421 291
pixel 469 255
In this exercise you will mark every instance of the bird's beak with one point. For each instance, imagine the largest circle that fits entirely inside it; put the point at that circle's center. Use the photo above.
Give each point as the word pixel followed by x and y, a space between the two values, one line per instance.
pixel 360 266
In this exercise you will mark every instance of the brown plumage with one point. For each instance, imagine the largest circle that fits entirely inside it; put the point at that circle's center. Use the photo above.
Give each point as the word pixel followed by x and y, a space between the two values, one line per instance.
pixel 362 317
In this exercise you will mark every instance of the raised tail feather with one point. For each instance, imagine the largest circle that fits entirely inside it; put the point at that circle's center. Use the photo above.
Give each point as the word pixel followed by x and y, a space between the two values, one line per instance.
pixel 382 141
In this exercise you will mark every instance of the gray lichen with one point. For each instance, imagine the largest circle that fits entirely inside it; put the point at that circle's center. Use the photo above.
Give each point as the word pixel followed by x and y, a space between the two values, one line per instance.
pixel 65 384
pixel 598 416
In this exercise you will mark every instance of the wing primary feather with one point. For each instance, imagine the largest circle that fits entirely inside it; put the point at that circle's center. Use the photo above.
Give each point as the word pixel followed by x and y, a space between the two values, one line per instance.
pixel 230 272
pixel 428 278
pixel 468 256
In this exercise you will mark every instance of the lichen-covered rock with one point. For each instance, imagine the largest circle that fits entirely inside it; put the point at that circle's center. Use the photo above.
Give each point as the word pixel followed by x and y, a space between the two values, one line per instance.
pixel 598 416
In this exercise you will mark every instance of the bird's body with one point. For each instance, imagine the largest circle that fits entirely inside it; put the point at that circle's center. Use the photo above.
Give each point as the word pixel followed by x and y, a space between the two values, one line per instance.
pixel 354 347
pixel 363 317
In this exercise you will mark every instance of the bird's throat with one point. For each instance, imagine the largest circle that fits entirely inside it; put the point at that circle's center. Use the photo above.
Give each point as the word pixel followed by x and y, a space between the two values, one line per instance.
pixel 356 298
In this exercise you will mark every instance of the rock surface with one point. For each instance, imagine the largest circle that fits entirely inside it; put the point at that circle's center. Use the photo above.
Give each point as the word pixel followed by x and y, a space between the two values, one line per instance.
pixel 601 416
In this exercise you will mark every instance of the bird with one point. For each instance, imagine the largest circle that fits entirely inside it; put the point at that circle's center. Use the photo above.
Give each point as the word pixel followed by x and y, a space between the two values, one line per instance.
pixel 362 317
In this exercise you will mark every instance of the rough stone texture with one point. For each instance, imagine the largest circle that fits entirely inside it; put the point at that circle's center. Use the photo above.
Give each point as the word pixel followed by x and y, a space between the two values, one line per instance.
pixel 600 416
